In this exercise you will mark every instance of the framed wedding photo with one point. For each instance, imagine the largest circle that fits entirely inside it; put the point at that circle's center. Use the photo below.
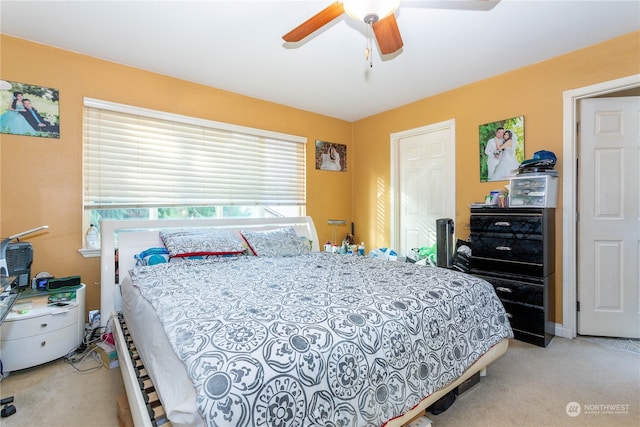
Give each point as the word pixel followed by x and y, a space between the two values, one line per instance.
pixel 501 149
pixel 331 156
pixel 29 110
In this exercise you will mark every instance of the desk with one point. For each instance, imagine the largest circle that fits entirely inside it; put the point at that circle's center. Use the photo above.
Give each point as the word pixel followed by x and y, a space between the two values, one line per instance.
pixel 8 297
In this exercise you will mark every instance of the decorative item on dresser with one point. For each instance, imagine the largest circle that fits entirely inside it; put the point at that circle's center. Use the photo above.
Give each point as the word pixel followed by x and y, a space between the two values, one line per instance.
pixel 514 250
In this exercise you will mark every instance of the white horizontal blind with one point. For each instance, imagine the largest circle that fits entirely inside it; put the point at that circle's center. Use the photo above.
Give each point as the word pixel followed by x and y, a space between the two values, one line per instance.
pixel 143 158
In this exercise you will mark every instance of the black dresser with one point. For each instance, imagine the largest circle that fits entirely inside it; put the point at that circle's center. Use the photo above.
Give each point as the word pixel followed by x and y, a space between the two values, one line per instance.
pixel 513 249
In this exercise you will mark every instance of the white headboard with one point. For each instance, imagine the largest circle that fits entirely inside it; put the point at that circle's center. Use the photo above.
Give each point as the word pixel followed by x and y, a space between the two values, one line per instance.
pixel 131 237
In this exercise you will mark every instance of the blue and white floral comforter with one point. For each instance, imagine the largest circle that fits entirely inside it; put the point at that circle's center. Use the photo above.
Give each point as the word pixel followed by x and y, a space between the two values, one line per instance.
pixel 319 339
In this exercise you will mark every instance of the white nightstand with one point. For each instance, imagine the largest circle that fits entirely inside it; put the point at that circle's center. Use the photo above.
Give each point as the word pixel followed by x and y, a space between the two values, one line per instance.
pixel 43 332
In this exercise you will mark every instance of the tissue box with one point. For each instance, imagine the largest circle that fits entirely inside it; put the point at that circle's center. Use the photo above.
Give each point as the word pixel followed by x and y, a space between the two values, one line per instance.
pixel 108 355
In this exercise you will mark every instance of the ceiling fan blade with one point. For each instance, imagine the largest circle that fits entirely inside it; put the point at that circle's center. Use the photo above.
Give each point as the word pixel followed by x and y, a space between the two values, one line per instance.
pixel 388 35
pixel 452 5
pixel 315 22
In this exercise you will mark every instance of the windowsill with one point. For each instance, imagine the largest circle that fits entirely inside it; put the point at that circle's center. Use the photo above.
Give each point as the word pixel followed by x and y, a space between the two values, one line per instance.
pixel 89 253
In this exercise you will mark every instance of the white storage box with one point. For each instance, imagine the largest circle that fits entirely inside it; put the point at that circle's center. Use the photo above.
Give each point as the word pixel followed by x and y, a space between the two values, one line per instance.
pixel 533 191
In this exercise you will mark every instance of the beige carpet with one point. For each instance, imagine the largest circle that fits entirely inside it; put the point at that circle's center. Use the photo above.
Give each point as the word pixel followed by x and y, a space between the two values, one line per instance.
pixel 528 386
pixel 56 395
pixel 532 386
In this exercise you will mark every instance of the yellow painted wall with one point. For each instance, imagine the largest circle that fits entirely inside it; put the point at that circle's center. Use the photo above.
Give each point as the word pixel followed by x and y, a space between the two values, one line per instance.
pixel 41 179
pixel 535 92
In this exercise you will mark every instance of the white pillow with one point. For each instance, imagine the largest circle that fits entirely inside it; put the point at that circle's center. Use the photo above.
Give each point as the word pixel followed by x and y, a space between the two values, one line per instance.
pixel 275 243
pixel 201 242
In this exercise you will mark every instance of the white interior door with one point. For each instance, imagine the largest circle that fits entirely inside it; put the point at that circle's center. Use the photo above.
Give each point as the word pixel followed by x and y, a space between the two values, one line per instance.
pixel 425 170
pixel 609 217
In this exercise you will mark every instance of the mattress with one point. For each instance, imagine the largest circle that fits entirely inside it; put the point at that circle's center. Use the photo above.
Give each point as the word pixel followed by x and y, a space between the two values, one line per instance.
pixel 316 339
pixel 167 372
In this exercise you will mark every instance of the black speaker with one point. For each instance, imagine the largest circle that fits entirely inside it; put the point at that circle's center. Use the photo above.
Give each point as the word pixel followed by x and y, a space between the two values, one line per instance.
pixel 63 283
pixel 19 259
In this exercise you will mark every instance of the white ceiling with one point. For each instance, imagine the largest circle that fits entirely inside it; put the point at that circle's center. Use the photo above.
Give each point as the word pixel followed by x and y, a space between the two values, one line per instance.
pixel 237 45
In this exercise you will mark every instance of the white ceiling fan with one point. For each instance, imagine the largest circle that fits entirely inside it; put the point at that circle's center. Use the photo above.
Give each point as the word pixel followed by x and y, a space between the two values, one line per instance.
pixel 379 15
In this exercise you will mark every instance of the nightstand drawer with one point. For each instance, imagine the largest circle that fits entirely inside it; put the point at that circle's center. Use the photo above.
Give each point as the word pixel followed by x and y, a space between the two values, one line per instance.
pixel 17 328
pixel 26 352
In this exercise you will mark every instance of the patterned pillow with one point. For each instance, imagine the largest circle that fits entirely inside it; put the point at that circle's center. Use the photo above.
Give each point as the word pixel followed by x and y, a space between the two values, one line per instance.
pixel 275 243
pixel 201 242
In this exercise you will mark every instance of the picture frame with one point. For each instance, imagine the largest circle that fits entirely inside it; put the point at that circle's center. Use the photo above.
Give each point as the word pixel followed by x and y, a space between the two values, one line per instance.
pixel 500 157
pixel 331 156
pixel 29 110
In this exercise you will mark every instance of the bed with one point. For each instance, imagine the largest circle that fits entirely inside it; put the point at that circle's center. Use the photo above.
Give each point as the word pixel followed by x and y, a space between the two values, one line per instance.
pixel 292 336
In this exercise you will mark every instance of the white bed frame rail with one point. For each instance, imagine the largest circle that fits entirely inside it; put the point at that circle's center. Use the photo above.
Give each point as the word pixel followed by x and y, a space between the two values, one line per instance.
pixel 137 405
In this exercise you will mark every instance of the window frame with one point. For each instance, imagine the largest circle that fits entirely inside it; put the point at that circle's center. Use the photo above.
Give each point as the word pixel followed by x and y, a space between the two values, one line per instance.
pixel 262 135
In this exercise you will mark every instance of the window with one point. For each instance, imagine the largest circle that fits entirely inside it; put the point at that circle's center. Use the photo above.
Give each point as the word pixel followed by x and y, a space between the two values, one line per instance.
pixel 145 164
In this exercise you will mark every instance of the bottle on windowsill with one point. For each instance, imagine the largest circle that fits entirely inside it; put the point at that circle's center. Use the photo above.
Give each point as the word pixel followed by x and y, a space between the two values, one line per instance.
pixel 92 238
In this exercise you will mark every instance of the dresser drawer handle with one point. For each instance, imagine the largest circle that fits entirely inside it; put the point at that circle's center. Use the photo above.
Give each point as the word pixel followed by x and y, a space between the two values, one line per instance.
pixel 503 224
pixel 43 343
pixel 503 289
pixel 43 325
pixel 503 248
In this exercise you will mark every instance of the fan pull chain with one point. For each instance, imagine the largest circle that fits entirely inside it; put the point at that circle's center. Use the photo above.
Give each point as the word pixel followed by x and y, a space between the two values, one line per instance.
pixel 368 51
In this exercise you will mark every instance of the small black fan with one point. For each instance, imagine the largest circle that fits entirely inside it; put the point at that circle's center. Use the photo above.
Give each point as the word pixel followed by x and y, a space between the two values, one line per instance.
pixel 19 259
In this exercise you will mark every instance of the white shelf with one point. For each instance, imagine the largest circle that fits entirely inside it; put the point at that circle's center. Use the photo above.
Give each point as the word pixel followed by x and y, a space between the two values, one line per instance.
pixel 89 253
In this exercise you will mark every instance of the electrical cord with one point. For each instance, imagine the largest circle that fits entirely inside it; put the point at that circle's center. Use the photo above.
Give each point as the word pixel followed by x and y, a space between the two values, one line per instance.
pixel 87 352
pixel 88 349
pixel 88 355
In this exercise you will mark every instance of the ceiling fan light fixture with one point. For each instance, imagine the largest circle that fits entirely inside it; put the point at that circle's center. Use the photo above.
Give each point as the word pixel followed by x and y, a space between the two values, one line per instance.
pixel 363 9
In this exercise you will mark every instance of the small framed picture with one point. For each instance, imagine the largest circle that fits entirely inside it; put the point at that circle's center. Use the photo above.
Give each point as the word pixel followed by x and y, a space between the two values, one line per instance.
pixel 29 110
pixel 501 149
pixel 331 156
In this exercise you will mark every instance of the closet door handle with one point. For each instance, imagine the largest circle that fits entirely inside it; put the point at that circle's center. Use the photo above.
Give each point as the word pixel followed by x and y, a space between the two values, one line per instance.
pixel 503 248
pixel 503 224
